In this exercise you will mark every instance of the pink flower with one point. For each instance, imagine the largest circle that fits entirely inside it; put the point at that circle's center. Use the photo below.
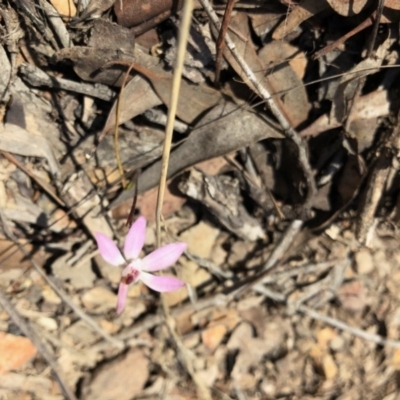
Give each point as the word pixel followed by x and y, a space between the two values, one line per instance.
pixel 137 269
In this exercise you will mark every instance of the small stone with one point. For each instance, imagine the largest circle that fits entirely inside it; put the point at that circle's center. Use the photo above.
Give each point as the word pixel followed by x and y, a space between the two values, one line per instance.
pixel 80 276
pixel 200 239
pixel 208 375
pixel 192 340
pixel 329 366
pixel 193 275
pixel 333 231
pixel 176 297
pixel 213 336
pixel 109 326
pixel 15 351
pixel 364 261
pixel 122 379
pixel 50 296
pixel 99 300
pixel 79 334
pixel 50 324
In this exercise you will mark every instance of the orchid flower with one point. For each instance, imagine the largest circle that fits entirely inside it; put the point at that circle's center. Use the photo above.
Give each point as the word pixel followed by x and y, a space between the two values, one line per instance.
pixel 137 269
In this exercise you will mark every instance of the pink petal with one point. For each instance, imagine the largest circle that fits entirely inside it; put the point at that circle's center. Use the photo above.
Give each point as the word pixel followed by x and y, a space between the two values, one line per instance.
pixel 134 240
pixel 163 257
pixel 109 250
pixel 122 293
pixel 161 283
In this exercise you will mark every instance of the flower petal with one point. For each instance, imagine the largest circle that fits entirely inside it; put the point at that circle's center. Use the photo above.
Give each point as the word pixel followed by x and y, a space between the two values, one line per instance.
pixel 163 257
pixel 109 250
pixel 134 240
pixel 160 283
pixel 122 293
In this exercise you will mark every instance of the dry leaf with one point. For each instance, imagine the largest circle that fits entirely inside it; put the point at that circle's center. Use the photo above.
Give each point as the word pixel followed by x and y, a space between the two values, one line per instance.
pixel 224 129
pixel 17 140
pixel 193 100
pixel 135 12
pixel 302 12
pixel 66 8
pixel 284 81
pixel 347 7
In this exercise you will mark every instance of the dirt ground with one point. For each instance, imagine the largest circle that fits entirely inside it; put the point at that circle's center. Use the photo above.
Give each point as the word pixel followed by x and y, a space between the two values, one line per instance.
pixel 283 181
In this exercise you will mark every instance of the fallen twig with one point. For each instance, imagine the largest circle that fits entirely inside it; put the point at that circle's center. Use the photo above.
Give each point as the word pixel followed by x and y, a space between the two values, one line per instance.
pixel 36 77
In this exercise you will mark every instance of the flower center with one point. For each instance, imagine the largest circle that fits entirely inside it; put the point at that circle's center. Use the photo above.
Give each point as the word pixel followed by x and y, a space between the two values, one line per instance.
pixel 130 277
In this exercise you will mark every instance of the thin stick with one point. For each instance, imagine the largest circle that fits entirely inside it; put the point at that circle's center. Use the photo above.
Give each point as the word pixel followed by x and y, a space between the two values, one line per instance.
pixel 377 20
pixel 221 39
pixel 265 95
pixel 176 84
pixel 131 215
pixel 347 328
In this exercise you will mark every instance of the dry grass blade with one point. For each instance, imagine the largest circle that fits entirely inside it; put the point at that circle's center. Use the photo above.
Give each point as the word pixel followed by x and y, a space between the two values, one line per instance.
pixel 116 130
pixel 176 83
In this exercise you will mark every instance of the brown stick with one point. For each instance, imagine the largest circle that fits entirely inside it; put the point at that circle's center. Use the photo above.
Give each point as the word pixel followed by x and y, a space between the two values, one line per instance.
pixel 221 39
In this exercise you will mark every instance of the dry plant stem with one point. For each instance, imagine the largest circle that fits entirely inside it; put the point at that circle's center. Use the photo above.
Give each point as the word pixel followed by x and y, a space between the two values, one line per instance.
pixel 372 197
pixel 221 39
pixel 378 15
pixel 27 329
pixel 176 84
pixel 63 296
pixel 41 347
pixel 202 389
pixel 332 46
pixel 288 131
pixel 116 130
pixel 344 327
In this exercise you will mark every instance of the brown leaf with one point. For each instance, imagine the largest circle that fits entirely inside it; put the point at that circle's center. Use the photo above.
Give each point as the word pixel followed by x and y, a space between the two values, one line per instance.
pixel 283 78
pixel 135 12
pixel 193 101
pixel 302 12
pixel 228 132
pixel 347 7
pixel 294 103
pixel 137 97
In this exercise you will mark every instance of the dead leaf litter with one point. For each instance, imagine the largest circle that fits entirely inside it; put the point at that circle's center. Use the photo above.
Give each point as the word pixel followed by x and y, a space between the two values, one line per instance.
pixel 283 181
